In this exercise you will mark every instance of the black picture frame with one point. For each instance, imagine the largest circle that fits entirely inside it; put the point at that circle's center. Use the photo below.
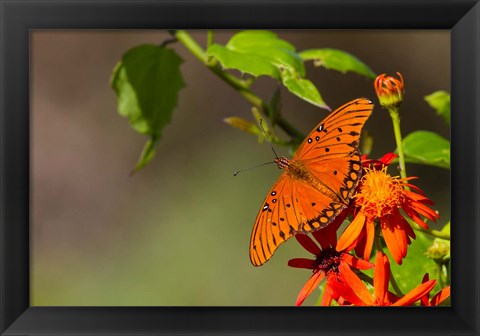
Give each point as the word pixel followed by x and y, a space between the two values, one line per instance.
pixel 18 17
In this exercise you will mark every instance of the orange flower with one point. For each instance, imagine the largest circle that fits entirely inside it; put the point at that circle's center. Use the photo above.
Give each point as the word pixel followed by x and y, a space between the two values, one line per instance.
pixel 357 293
pixel 380 197
pixel 327 262
pixel 437 298
pixel 390 90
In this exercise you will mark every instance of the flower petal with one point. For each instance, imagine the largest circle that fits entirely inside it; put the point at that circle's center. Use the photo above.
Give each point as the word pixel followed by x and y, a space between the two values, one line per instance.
pixel 327 296
pixel 390 237
pixel 359 245
pixel 400 232
pixel 408 230
pixel 414 215
pixel 302 263
pixel 415 294
pixel 351 233
pixel 425 211
pixel 424 299
pixel 388 158
pixel 355 284
pixel 440 296
pixel 309 287
pixel 346 292
pixel 356 263
pixel 308 244
pixel 417 197
pixel 381 277
pixel 370 234
pixel 414 187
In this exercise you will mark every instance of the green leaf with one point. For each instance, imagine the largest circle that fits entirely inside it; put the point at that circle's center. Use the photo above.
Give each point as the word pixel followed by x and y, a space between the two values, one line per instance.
pixel 148 153
pixel 414 266
pixel 427 148
pixel 338 60
pixel 440 101
pixel 262 53
pixel 446 228
pixel 254 65
pixel 147 81
pixel 304 89
pixel 243 125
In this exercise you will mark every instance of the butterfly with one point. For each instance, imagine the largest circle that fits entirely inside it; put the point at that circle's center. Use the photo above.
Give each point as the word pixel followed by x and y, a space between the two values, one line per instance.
pixel 316 184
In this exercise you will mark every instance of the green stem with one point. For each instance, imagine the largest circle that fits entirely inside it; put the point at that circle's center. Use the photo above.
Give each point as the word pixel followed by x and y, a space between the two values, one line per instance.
pixel 238 84
pixel 209 38
pixel 440 275
pixel 431 232
pixel 368 279
pixel 397 289
pixel 398 139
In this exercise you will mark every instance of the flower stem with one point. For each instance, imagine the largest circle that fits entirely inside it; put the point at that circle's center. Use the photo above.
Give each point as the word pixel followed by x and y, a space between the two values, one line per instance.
pixel 241 86
pixel 440 275
pixel 398 139
pixel 431 232
pixel 397 289
pixel 209 38
pixel 368 279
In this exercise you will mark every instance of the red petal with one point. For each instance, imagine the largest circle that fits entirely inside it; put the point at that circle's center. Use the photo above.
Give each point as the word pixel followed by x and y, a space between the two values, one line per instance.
pixel 308 244
pixel 381 276
pixel 359 245
pixel 414 215
pixel 355 284
pixel 346 292
pixel 425 211
pixel 392 297
pixel 309 287
pixel 327 296
pixel 400 232
pixel 424 299
pixel 415 294
pixel 351 233
pixel 408 230
pixel 356 263
pixel 418 198
pixel 414 187
pixel 440 296
pixel 380 163
pixel 388 158
pixel 390 237
pixel 370 234
pixel 302 263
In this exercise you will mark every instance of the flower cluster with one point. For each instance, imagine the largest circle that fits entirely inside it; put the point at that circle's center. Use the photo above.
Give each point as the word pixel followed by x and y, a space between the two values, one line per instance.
pixel 383 213
pixel 374 208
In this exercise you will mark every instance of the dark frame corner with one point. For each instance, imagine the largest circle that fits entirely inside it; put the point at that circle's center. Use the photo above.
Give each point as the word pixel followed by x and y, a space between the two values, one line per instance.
pixel 18 17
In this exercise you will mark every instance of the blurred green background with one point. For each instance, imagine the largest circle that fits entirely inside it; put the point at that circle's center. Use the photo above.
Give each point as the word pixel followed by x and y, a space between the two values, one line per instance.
pixel 177 233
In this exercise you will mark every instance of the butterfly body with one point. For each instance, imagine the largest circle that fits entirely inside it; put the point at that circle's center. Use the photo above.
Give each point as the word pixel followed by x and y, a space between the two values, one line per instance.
pixel 297 170
pixel 316 184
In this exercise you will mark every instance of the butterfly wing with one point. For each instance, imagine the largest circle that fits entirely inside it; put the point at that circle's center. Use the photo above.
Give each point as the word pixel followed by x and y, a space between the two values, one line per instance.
pixel 285 212
pixel 330 152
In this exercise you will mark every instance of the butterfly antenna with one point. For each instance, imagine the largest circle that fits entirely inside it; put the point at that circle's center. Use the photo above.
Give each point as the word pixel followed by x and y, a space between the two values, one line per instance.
pixel 260 165
pixel 266 137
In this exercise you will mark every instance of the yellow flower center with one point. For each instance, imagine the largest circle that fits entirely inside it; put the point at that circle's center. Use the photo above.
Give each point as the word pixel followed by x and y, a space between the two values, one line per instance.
pixel 379 193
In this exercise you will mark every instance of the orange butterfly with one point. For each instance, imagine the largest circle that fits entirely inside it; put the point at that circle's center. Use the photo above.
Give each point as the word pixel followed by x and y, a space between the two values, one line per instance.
pixel 316 184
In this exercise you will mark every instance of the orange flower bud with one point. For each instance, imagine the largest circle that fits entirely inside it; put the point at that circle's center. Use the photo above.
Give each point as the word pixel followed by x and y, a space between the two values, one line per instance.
pixel 390 90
